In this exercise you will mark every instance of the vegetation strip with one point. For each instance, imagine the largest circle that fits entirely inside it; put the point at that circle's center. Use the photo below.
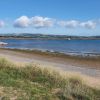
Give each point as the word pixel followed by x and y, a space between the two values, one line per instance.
pixel 36 83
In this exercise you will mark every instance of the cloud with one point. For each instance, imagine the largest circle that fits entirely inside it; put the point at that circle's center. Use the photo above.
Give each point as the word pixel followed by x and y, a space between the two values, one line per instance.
pixel 36 22
pixel 41 22
pixel 69 24
pixel 88 24
pixel 22 22
pixel 74 24
pixel 1 23
pixel 45 22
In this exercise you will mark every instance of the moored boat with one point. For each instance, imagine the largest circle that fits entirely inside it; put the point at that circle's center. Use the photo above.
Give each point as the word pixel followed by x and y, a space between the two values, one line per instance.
pixel 3 43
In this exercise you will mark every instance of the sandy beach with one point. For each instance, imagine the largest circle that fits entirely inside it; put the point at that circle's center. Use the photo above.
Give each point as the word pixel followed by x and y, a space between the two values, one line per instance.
pixel 89 69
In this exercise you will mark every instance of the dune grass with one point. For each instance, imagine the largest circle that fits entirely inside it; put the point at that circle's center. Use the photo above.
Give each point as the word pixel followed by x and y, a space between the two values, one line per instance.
pixel 33 82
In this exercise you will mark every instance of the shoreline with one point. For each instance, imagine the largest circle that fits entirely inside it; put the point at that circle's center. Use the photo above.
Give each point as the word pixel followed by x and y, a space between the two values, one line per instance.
pixel 76 55
pixel 88 66
pixel 79 67
pixel 84 54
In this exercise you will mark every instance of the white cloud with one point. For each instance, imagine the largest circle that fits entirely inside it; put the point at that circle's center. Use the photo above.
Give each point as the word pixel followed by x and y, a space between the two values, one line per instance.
pixel 36 22
pixel 22 22
pixel 74 23
pixel 1 23
pixel 88 24
pixel 44 22
pixel 69 24
pixel 41 22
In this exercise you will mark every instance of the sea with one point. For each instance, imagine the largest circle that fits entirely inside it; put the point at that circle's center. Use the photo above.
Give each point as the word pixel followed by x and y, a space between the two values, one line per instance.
pixel 71 47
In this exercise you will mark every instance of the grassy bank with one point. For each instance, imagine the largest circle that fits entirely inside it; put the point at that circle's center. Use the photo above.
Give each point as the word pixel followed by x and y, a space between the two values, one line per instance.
pixel 33 82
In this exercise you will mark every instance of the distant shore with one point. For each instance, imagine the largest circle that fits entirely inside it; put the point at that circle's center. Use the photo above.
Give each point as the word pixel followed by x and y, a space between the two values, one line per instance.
pixel 45 36
pixel 40 38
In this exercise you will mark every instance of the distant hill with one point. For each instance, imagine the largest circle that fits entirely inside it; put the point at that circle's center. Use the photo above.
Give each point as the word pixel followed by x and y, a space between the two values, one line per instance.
pixel 45 36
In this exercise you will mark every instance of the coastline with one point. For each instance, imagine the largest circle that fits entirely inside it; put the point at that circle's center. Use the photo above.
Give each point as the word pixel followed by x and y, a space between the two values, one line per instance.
pixel 88 69
pixel 71 52
pixel 76 55
pixel 89 66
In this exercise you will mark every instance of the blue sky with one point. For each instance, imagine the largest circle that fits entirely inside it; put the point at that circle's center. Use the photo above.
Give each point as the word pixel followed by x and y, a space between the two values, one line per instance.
pixel 69 17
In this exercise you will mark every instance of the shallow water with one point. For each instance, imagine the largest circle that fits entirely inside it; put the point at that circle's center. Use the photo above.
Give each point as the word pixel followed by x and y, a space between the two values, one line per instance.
pixel 65 46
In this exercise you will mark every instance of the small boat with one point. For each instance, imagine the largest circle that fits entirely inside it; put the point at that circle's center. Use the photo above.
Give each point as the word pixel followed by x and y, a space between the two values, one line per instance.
pixel 3 43
pixel 69 38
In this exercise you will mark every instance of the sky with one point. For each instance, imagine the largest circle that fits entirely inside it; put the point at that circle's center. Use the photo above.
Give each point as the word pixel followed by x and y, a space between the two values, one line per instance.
pixel 62 17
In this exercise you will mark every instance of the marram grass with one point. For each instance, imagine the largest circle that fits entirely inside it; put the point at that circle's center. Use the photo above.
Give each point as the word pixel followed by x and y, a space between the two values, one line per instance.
pixel 33 82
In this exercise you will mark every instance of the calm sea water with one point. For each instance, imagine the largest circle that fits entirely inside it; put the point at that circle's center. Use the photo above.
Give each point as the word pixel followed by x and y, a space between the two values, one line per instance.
pixel 65 46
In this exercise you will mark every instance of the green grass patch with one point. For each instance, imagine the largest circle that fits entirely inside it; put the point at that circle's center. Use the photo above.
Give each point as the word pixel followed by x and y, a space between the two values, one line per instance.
pixel 35 83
